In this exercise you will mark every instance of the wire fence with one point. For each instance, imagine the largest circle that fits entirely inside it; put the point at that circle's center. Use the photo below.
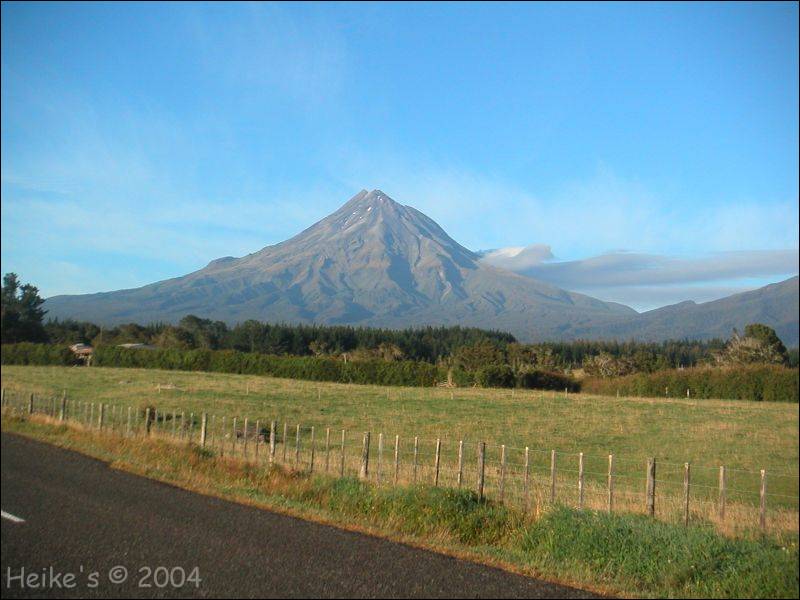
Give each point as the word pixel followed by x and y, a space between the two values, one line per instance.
pixel 732 499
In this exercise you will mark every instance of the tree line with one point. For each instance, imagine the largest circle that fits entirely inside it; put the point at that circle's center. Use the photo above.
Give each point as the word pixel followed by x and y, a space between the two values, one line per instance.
pixel 469 355
pixel 464 346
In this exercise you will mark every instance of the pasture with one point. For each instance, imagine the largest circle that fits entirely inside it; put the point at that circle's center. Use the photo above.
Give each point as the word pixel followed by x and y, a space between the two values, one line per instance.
pixel 745 437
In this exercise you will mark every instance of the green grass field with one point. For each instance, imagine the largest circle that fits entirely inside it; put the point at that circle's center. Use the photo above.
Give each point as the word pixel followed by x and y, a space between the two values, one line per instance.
pixel 743 436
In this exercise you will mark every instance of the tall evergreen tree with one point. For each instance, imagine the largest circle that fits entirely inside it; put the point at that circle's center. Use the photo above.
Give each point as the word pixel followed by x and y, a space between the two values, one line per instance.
pixel 21 312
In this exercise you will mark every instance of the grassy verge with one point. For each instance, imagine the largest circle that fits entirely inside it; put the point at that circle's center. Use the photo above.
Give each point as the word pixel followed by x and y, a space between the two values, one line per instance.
pixel 623 554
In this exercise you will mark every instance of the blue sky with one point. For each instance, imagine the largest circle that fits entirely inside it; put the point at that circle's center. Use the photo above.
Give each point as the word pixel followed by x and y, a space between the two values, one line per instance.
pixel 141 141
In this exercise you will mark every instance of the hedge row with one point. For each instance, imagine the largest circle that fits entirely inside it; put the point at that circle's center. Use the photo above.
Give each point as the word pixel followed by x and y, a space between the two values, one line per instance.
pixel 376 372
pixel 760 383
pixel 295 367
pixel 503 376
pixel 26 353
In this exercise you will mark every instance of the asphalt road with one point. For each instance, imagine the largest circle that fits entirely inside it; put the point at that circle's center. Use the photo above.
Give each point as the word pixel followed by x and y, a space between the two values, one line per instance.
pixel 82 518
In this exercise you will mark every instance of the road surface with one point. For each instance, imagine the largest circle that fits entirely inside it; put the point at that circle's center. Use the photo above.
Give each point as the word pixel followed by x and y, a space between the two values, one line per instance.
pixel 82 520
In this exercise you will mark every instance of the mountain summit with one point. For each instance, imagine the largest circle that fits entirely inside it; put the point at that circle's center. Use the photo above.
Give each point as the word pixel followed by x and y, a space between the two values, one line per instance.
pixel 372 262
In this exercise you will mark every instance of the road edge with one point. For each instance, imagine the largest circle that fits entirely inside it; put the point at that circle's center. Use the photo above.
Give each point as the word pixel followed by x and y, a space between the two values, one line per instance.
pixel 320 519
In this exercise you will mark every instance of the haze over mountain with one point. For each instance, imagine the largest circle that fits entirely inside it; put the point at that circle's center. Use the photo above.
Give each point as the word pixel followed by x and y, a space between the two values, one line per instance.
pixel 376 262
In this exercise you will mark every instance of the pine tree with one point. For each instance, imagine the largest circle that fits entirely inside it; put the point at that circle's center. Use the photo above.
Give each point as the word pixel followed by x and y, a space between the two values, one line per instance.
pixel 21 312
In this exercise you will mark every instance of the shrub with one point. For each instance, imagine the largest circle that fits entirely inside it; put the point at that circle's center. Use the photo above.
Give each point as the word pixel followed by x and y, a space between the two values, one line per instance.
pixel 546 380
pixel 767 383
pixel 495 376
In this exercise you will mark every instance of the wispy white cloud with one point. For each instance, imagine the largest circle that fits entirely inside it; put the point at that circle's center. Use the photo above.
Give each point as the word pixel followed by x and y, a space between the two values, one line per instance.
pixel 628 268
pixel 650 280
pixel 519 258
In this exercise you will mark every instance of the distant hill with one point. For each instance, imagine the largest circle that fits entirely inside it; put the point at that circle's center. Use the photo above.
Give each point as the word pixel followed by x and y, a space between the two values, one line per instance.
pixel 775 304
pixel 372 262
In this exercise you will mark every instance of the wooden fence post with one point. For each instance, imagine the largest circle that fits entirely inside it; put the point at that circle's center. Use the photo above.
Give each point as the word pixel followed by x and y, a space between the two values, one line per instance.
pixel 460 462
pixel 175 423
pixel 101 413
pixel 502 472
pixel 526 481
pixel 297 445
pixel 244 436
pixel 327 449
pixel 222 436
pixel 272 427
pixel 234 436
pixel 762 518
pixel 580 481
pixel 723 493
pixel 651 487
pixel 63 413
pixel 380 458
pixel 128 423
pixel 437 461
pixel 147 421
pixel 686 481
pixel 416 453
pixel 552 476
pixel 341 457
pixel 610 500
pixel 3 397
pixel 283 440
pixel 364 471
pixel 258 438
pixel 396 458
pixel 313 451
pixel 30 404
pixel 203 425
pixel 481 467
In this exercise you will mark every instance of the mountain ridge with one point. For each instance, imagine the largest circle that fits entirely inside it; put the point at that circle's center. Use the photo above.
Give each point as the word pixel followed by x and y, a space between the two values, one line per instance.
pixel 372 262
pixel 775 304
